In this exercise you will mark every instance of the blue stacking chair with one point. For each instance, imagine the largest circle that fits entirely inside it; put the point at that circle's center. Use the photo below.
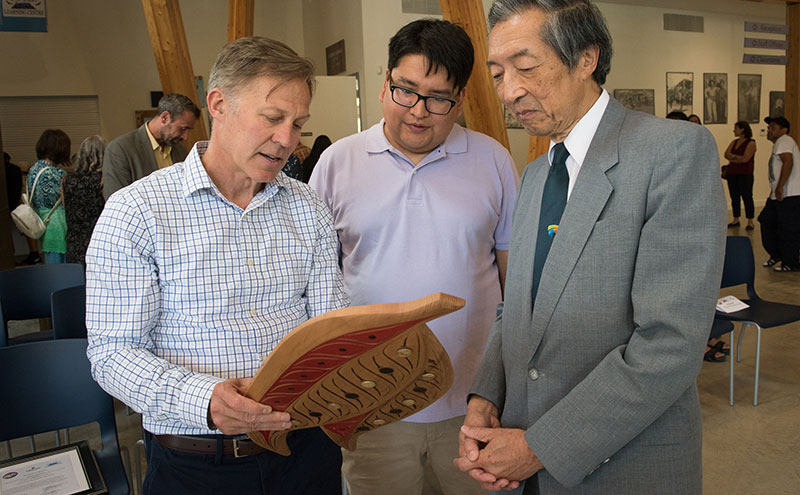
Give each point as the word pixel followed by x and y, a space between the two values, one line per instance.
pixel 68 311
pixel 25 294
pixel 740 269
pixel 49 387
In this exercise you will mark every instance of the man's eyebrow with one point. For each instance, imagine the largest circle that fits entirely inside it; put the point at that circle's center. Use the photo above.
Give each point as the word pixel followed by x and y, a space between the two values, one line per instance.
pixel 413 85
pixel 523 52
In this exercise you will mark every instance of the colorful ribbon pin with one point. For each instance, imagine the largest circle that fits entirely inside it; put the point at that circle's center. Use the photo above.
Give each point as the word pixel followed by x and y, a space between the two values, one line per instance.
pixel 551 230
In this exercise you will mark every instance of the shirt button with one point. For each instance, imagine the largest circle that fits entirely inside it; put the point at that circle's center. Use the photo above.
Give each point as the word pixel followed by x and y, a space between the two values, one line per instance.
pixel 254 312
pixel 533 373
pixel 244 216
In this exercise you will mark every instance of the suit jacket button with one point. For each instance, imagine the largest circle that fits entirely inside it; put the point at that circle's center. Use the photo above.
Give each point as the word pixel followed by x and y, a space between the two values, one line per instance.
pixel 533 373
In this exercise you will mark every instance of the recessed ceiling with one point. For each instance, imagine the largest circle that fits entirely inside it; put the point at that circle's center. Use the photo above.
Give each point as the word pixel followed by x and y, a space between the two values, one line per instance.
pixel 747 8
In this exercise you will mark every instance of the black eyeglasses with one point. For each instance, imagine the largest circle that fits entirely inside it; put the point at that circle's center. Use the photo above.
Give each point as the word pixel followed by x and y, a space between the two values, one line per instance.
pixel 408 98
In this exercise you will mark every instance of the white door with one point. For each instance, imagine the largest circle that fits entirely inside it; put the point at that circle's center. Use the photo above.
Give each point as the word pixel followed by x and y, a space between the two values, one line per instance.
pixel 334 109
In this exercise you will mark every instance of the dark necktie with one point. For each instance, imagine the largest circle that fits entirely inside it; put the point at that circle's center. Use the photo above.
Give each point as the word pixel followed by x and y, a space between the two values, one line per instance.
pixel 554 199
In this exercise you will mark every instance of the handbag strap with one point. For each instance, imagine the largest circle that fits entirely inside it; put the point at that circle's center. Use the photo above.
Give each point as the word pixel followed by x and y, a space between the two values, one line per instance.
pixel 33 188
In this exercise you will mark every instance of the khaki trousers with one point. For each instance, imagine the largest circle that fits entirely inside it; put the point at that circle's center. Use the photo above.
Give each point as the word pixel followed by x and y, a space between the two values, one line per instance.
pixel 392 460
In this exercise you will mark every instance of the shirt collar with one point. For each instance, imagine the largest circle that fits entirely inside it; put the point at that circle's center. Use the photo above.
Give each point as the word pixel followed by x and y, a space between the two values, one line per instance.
pixel 377 142
pixel 154 143
pixel 580 137
pixel 195 177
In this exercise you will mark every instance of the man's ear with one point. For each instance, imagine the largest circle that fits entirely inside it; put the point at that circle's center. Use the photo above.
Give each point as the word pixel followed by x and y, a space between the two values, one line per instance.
pixel 385 87
pixel 588 61
pixel 164 117
pixel 217 104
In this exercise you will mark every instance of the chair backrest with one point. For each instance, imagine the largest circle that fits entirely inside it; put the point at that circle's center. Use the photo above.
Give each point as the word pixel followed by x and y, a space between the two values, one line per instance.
pixel 49 387
pixel 740 264
pixel 25 292
pixel 69 313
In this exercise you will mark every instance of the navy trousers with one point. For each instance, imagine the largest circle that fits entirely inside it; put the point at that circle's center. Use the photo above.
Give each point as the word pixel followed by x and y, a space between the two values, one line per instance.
pixel 313 468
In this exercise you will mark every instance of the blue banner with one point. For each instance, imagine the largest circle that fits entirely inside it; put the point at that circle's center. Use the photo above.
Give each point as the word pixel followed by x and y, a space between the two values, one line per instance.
pixel 23 15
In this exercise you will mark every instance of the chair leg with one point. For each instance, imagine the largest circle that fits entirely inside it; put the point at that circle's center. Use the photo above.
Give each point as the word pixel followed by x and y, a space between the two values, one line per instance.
pixel 8 449
pixel 739 343
pixel 138 448
pixel 730 398
pixel 758 364
pixel 33 444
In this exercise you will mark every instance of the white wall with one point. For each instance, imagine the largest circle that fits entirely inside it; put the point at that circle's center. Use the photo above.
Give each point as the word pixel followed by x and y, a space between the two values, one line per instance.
pixel 103 48
pixel 644 52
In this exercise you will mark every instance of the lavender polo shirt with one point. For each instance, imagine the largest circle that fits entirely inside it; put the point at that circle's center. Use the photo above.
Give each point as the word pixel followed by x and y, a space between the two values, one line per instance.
pixel 407 232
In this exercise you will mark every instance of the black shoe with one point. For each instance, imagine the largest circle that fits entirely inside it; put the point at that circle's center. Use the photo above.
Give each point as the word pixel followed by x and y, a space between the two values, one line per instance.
pixel 32 259
pixel 770 262
pixel 749 227
pixel 733 224
pixel 784 268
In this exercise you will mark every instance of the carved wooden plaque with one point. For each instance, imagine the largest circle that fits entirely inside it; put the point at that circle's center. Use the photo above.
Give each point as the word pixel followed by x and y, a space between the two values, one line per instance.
pixel 355 369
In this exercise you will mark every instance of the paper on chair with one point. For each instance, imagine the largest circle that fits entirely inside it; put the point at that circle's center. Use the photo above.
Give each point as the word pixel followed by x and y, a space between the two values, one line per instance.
pixel 730 304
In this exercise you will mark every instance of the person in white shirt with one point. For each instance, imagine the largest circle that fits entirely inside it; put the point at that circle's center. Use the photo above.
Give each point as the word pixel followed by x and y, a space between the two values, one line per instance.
pixel 780 218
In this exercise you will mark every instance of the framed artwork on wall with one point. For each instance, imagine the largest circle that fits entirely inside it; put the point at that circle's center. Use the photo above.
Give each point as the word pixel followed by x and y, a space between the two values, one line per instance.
pixel 641 100
pixel 680 86
pixel 715 98
pixel 749 97
pixel 776 103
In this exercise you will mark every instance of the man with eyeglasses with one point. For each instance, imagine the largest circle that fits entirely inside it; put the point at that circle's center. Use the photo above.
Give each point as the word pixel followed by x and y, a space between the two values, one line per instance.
pixel 422 205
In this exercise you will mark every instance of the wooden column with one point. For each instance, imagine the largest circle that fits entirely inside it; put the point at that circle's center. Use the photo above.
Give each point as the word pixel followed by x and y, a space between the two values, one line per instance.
pixel 240 19
pixel 792 100
pixel 537 146
pixel 171 52
pixel 482 108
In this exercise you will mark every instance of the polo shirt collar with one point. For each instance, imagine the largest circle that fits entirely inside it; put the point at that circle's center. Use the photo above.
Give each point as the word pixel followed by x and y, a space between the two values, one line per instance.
pixel 377 142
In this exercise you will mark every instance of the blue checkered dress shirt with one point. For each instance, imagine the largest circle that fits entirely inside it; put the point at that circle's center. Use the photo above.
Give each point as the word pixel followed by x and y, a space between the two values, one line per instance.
pixel 185 289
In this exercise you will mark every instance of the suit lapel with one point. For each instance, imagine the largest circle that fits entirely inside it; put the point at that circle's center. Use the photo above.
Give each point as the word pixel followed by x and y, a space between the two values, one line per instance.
pixel 587 200
pixel 148 159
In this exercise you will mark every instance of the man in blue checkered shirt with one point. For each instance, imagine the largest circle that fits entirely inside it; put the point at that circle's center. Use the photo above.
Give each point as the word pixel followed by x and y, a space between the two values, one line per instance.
pixel 197 271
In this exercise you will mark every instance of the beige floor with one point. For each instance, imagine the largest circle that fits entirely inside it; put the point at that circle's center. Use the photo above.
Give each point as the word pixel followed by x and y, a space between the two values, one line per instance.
pixel 747 450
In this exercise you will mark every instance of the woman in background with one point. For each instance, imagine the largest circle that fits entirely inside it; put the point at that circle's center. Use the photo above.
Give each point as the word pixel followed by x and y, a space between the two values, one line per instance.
pixel 83 197
pixel 52 151
pixel 740 155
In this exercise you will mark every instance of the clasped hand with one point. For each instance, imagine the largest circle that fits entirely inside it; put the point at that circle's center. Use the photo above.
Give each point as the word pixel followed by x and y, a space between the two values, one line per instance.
pixel 233 413
pixel 499 458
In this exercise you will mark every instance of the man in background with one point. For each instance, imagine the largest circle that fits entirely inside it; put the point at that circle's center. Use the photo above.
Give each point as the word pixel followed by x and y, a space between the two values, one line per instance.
pixel 780 218
pixel 154 145
pixel 422 205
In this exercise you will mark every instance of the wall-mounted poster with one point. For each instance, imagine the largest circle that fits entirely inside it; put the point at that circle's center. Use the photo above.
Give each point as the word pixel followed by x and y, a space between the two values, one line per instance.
pixel 715 98
pixel 776 106
pixel 641 100
pixel 749 98
pixel 679 91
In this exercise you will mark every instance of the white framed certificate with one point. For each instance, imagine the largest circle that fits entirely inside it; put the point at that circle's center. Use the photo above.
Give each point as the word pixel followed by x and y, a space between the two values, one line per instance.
pixel 67 470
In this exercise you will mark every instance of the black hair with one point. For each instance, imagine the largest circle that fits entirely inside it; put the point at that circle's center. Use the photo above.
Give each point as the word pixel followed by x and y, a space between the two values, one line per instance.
pixel 442 43
pixel 677 115
pixel 54 145
pixel 745 127
pixel 320 144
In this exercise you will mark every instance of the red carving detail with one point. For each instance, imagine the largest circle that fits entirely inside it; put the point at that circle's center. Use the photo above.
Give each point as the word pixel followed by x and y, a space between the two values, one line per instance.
pixel 346 427
pixel 306 370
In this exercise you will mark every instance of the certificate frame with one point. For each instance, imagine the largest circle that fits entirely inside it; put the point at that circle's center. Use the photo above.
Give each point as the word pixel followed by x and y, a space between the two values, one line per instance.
pixel 79 450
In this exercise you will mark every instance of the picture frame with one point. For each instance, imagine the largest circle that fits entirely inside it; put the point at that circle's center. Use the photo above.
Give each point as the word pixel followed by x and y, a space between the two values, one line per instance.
pixel 72 468
pixel 715 98
pixel 749 98
pixel 510 120
pixel 777 106
pixel 640 100
pixel 680 90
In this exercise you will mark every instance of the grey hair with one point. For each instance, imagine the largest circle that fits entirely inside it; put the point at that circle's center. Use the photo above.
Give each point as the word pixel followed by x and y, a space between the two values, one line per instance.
pixel 90 155
pixel 176 104
pixel 572 27
pixel 245 59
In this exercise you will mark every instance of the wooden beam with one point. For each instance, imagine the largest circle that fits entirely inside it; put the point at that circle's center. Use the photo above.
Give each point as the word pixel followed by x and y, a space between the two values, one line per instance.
pixel 482 108
pixel 171 52
pixel 792 105
pixel 240 19
pixel 537 146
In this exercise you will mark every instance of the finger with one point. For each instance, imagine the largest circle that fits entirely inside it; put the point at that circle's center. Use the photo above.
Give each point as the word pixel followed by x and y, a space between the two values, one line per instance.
pixel 479 474
pixel 478 433
pixel 470 449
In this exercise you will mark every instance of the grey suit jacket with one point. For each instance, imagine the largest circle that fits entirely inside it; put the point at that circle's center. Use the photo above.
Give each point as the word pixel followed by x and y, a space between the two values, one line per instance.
pixel 130 157
pixel 622 313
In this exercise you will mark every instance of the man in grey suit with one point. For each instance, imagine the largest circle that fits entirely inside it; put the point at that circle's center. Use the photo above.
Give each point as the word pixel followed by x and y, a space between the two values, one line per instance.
pixel 156 144
pixel 588 380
